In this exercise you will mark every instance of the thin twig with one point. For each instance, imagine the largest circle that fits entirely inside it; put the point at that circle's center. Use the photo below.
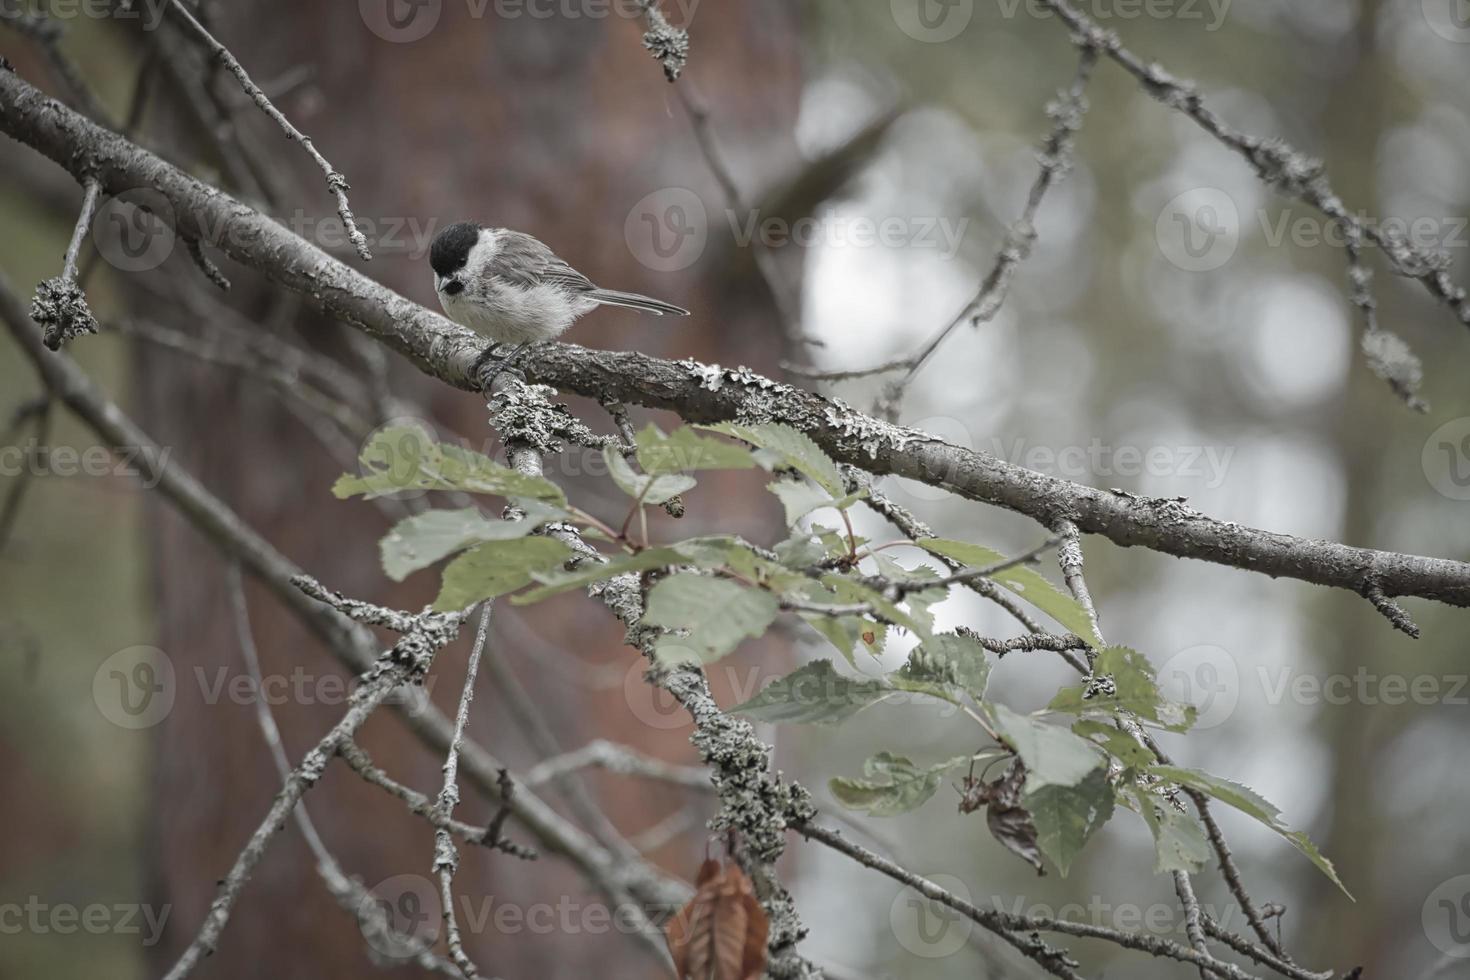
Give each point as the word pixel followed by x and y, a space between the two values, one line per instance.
pixel 446 855
pixel 335 180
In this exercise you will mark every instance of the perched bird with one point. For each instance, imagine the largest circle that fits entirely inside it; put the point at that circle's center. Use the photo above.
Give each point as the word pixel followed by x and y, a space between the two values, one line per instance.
pixel 508 286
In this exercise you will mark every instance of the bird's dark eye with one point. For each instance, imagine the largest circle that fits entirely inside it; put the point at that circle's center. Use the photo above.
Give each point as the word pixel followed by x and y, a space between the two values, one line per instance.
pixel 453 287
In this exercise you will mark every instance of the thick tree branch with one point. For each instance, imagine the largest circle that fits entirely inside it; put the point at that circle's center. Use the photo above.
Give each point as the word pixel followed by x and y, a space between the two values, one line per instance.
pixel 703 393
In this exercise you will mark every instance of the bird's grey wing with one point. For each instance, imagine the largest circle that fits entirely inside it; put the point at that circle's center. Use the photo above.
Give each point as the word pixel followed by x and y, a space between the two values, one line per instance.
pixel 526 261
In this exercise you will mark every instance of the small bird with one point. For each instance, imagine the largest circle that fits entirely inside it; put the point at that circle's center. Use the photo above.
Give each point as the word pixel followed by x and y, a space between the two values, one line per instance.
pixel 508 286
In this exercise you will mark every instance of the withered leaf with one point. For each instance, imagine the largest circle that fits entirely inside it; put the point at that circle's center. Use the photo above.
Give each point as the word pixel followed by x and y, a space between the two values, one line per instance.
pixel 721 933
pixel 1009 822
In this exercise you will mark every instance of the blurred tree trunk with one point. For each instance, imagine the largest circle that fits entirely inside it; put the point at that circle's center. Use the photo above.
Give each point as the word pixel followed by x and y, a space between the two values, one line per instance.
pixel 557 126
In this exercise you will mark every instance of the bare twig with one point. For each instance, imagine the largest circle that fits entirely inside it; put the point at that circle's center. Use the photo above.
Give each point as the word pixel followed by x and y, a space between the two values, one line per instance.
pixel 60 305
pixel 446 855
pixel 349 892
pixel 621 760
pixel 423 635
pixel 335 181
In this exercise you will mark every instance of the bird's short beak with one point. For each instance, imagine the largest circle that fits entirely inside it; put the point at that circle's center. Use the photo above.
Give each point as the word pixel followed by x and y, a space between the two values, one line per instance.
pixel 438 283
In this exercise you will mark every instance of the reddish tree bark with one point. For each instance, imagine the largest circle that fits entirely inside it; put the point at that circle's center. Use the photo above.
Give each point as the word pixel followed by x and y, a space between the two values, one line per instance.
pixel 557 126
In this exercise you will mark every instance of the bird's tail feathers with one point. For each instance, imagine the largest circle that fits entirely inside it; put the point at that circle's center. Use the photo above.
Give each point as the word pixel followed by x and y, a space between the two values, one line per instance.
pixel 634 301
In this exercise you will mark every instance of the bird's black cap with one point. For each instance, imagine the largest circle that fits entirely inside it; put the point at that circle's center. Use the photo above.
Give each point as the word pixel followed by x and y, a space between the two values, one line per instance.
pixel 451 247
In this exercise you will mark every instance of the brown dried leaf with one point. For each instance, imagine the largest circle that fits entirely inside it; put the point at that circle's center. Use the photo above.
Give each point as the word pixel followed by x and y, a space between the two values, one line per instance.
pixel 721 933
pixel 1009 822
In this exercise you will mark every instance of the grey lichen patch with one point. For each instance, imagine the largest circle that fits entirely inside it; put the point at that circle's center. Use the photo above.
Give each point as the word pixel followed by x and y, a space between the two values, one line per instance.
pixel 869 433
pixel 668 44
pixel 711 377
pixel 1393 361
pixel 525 415
pixel 60 307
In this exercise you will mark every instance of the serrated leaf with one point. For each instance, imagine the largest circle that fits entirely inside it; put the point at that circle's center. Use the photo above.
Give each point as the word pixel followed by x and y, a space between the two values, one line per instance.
pixel 1118 743
pixel 813 694
pixel 1179 841
pixel 1134 692
pixel 1053 754
pixel 794 449
pixel 801 550
pixel 947 666
pixel 798 497
pixel 708 552
pixel 1024 582
pixel 497 568
pixel 421 540
pixel 839 589
pixel 840 631
pixel 1066 816
pixel 894 785
pixel 685 450
pixel 716 612
pixel 405 458
pixel 1252 804
pixel 651 490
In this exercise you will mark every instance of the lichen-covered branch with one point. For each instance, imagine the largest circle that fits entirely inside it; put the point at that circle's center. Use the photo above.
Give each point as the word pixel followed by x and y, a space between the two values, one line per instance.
pixel 706 393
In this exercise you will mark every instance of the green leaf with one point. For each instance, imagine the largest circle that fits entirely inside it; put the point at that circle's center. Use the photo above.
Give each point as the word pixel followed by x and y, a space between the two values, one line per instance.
pixel 685 450
pixel 798 497
pixel 1135 692
pixel 801 550
pixel 839 589
pixel 1024 582
pixel 1066 816
pixel 717 612
pixel 946 666
pixel 1252 804
pixel 1179 841
pixel 846 632
pixel 894 785
pixel 793 448
pixel 651 490
pixel 423 539
pixel 813 694
pixel 405 458
pixel 709 552
pixel 1119 744
pixel 496 568
pixel 1053 755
